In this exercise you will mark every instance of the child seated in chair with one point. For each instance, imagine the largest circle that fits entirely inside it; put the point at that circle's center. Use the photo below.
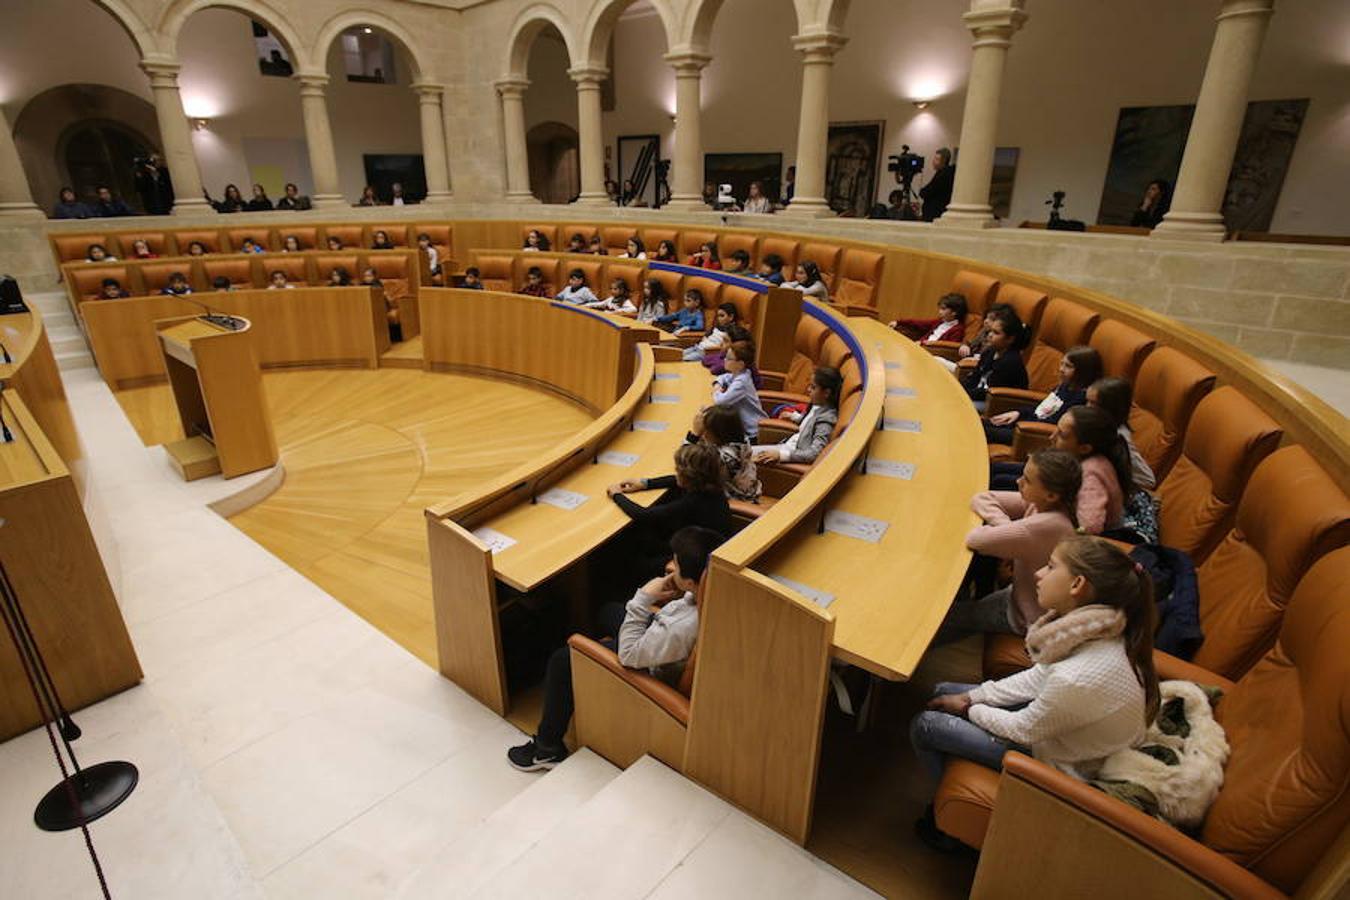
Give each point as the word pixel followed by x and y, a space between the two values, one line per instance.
pixel 473 280
pixel 1079 368
pixel 653 301
pixel 597 246
pixel 740 264
pixel 111 289
pixel 771 269
pixel 656 631
pixel 689 317
pixel 276 281
pixel 177 286
pixel 534 283
pixel 221 284
pixel 816 424
pixel 576 290
pixel 950 325
pixel 718 337
pixel 618 300
pixel 251 246
pixel 433 255
pixel 576 243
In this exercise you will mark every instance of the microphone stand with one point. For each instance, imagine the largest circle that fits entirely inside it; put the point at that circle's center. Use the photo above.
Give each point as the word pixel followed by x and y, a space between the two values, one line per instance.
pixel 224 320
pixel 84 794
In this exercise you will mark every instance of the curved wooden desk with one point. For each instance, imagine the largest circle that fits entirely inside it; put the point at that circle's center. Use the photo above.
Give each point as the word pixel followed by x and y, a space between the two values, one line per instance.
pixel 46 546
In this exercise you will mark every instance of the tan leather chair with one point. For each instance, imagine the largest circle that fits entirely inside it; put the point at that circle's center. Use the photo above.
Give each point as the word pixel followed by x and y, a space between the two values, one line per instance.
pixel 210 238
pixel 86 281
pixel 1027 302
pixel 297 268
pixel 1063 325
pixel 307 236
pixel 1122 348
pixel 155 276
pixel 261 234
pixel 157 241
pixel 673 282
pixel 827 257
pixel 593 269
pixel 833 353
pixel 401 234
pixel 1291 515
pixel 778 480
pixel 746 300
pixel 859 282
pixel 239 271
pixel 498 271
pixel 587 232
pixel 1169 386
pixel 1284 802
pixel 353 237
pixel 690 241
pixel 806 346
pixel 787 248
pixel 978 289
pixel 1227 438
pixel 324 266
pixel 652 237
pixel 616 237
pixel 75 247
pixel 442 238
pixel 712 295
pixel 548 231
pixel 392 268
pixel 633 274
pixel 550 265
pixel 728 244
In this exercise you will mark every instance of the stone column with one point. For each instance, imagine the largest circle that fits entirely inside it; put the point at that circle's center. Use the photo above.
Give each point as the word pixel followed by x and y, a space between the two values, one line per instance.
pixel 591 135
pixel 319 140
pixel 433 142
pixel 687 190
pixel 992 22
pixel 512 91
pixel 1197 203
pixel 813 127
pixel 177 138
pixel 16 198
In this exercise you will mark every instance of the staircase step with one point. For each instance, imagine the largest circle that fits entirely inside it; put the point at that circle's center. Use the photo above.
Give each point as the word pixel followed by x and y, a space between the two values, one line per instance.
pixel 74 360
pixel 67 342
pixel 475 859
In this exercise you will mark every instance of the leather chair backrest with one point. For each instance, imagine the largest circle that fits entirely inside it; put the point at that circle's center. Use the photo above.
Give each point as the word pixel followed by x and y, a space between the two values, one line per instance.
pixel 826 256
pixel 673 282
pixel 261 235
pixel 442 237
pixel 852 378
pixel 155 276
pixel 859 278
pixel 586 231
pixel 690 241
pixel 1291 514
pixel 1029 303
pixel 784 247
pixel 979 291
pixel 210 238
pixel 401 234
pixel 848 407
pixel 632 273
pixel 239 271
pixel 393 269
pixel 728 244
pixel 498 273
pixel 1228 437
pixel 295 267
pixel 652 237
pixel 308 236
pixel 686 683
pixel 157 241
pixel 746 300
pixel 551 267
pixel 834 353
pixel 616 238
pixel 324 266
pixel 712 293
pixel 353 237
pixel 593 269
pixel 548 231
pixel 1286 792
pixel 75 247
pixel 1169 386
pixel 1121 348
pixel 810 337
pixel 1064 324
pixel 88 280
pixel 974 322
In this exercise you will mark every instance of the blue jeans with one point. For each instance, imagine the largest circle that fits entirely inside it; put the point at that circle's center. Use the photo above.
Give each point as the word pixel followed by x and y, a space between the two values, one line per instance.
pixel 937 735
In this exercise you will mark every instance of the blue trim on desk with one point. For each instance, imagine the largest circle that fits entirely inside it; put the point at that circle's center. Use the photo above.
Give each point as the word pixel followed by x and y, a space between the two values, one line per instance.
pixel 753 284
pixel 572 307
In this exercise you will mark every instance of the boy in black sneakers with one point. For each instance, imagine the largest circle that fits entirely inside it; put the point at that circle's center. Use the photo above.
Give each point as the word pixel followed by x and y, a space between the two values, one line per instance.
pixel 657 641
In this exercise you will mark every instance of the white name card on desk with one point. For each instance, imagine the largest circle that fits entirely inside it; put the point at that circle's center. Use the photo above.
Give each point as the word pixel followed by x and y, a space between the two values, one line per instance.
pixel 855 526
pixel 665 398
pixel 820 598
pixel 495 540
pixel 615 458
pixel 901 425
pixel 649 425
pixel 561 498
pixel 666 376
pixel 893 365
pixel 888 468
pixel 900 392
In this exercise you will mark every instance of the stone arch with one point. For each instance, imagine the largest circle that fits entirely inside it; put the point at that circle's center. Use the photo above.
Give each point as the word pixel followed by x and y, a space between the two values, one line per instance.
pixel 177 14
pixel 526 28
pixel 833 13
pixel 131 23
pixel 599 27
pixel 353 19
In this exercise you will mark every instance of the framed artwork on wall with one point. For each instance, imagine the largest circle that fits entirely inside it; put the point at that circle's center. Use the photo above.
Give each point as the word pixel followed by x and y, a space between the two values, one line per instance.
pixel 640 165
pixel 739 169
pixel 1150 141
pixel 852 154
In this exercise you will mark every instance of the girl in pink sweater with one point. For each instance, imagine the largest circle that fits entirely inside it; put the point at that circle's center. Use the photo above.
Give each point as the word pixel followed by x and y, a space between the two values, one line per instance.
pixel 1091 435
pixel 1024 527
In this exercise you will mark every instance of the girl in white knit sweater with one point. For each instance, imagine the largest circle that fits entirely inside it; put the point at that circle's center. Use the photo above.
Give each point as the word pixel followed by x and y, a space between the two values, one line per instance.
pixel 1091 691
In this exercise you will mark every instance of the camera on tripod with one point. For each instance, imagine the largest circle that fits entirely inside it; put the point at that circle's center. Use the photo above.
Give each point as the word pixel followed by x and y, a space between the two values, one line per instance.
pixel 1058 223
pixel 905 166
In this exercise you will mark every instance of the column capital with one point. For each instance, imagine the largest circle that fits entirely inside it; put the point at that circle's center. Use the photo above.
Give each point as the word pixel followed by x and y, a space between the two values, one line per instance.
pixel 1232 9
pixel 427 91
pixel 588 75
pixel 688 62
pixel 163 71
pixel 312 83
pixel 993 25
pixel 818 46
pixel 511 86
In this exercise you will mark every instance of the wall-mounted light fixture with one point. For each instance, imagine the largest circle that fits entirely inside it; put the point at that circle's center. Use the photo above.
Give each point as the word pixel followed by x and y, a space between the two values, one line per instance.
pixel 367 30
pixel 921 104
pixel 201 124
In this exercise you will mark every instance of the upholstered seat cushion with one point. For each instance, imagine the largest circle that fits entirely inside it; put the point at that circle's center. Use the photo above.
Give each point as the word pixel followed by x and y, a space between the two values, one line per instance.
pixel 1169 386
pixel 965 801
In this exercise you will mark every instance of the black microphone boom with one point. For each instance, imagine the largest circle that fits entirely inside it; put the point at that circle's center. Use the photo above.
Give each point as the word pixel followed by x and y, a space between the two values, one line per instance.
pixel 224 320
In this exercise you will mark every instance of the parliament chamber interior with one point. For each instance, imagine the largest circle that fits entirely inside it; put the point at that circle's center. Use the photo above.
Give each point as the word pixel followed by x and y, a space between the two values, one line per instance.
pixel 674 448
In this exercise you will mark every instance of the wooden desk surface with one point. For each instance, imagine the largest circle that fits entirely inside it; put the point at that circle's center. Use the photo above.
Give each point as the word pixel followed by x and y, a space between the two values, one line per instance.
pixel 184 333
pixel 29 457
pixel 890 596
pixel 549 539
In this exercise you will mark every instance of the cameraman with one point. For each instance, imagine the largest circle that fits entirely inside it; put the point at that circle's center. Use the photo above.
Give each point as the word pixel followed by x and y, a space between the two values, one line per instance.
pixel 937 193
pixel 154 185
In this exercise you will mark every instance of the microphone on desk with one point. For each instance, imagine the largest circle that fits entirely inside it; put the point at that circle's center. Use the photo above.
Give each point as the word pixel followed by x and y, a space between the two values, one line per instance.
pixel 224 320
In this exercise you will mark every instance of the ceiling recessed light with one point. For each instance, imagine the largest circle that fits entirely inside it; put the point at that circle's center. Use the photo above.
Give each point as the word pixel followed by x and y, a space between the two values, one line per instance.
pixel 367 30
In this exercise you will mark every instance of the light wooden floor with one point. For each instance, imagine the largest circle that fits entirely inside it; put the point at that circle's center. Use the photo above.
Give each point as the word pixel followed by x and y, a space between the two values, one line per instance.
pixel 365 452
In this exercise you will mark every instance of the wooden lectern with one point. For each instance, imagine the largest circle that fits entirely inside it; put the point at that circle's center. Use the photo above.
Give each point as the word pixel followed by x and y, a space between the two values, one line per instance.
pixel 217 386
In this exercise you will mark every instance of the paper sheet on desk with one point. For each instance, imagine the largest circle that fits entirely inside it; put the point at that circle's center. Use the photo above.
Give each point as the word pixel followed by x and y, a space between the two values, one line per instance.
pixel 900 392
pixel 855 526
pixel 665 398
pixel 666 376
pixel 615 458
pixel 562 499
pixel 901 425
pixel 648 425
pixel 820 598
pixel 495 540
pixel 887 467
